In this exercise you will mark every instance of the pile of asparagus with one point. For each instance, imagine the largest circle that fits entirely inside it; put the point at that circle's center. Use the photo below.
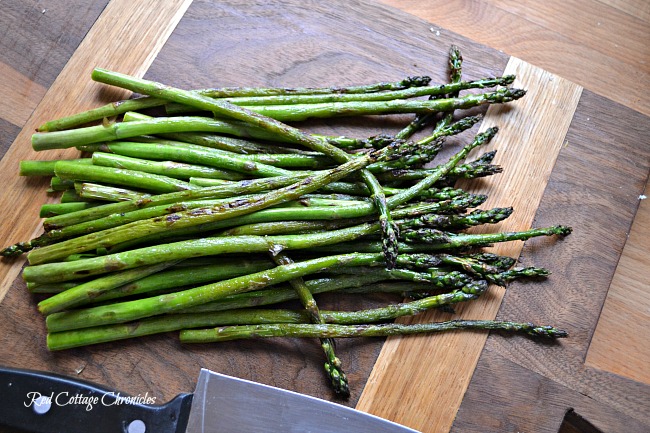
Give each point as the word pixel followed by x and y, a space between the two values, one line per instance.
pixel 204 216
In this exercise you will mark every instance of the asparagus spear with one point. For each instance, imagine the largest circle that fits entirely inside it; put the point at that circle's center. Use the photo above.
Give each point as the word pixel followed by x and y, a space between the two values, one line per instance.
pixel 44 168
pixel 172 168
pixel 53 209
pixel 333 366
pixel 457 222
pixel 456 241
pixel 346 331
pixel 94 191
pixel 92 289
pixel 69 170
pixel 455 68
pixel 300 112
pixel 455 72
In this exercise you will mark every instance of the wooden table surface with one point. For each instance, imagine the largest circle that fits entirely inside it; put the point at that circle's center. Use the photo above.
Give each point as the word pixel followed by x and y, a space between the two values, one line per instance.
pixel 600 46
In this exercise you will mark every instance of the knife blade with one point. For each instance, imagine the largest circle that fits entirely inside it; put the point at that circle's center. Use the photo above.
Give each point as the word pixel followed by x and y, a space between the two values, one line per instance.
pixel 43 402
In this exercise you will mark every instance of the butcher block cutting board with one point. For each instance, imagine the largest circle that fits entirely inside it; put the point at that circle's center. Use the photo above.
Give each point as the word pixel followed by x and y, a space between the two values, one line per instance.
pixel 569 156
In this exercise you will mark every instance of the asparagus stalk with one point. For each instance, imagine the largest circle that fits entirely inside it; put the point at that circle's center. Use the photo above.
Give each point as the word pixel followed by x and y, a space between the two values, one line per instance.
pixel 123 130
pixel 58 184
pixel 348 331
pixel 300 112
pixel 173 168
pixel 333 366
pixel 106 111
pixel 70 196
pixel 456 222
pixel 236 145
pixel 456 241
pixel 44 168
pixel 73 171
pixel 455 61
pixel 65 271
pixel 52 209
pixel 94 191
pixel 455 72
pixel 362 283
pixel 273 91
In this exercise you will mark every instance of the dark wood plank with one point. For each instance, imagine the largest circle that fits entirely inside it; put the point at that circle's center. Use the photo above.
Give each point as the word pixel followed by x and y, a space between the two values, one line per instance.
pixel 8 132
pixel 512 398
pixel 38 37
pixel 595 188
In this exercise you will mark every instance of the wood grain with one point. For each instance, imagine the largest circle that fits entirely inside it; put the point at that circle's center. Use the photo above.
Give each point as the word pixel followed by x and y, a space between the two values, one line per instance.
pixel 620 342
pixel 533 402
pixel 509 374
pixel 558 36
pixel 633 8
pixel 128 41
pixel 583 266
pixel 39 36
pixel 530 137
pixel 38 39
pixel 21 95
pixel 582 42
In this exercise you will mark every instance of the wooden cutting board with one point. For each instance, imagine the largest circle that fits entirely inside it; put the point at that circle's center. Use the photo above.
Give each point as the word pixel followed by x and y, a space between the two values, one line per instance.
pixel 570 157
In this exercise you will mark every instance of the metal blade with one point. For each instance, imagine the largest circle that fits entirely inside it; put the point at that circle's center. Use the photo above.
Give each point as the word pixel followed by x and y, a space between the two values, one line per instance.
pixel 227 404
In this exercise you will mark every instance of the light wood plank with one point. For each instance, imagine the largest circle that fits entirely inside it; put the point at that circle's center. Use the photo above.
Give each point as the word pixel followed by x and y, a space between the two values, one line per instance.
pixel 127 42
pixel 620 342
pixel 530 132
pixel 20 95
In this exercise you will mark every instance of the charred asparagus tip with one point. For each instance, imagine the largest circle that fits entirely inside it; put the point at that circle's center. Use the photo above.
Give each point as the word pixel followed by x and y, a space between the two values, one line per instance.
pixel 16 249
pixel 546 331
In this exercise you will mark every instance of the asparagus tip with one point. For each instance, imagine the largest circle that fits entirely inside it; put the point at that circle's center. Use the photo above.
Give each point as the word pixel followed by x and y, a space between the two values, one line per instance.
pixel 16 249
pixel 562 230
pixel 338 380
pixel 417 81
pixel 546 331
